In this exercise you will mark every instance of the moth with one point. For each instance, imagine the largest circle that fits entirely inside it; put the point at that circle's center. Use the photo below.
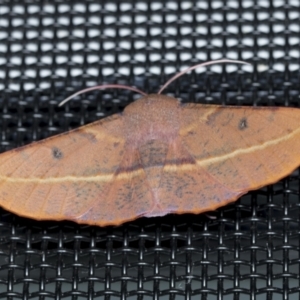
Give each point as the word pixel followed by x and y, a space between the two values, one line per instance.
pixel 158 156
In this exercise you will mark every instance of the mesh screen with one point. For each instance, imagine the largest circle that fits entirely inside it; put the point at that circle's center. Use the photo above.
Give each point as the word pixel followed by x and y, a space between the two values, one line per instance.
pixel 50 49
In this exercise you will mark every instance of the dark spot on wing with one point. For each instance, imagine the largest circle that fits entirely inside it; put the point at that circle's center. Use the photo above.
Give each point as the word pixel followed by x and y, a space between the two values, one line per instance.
pixel 57 154
pixel 243 124
pixel 192 132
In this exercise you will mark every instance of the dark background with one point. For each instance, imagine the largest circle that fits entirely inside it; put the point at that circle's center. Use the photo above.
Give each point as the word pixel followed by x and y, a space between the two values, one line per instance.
pixel 50 49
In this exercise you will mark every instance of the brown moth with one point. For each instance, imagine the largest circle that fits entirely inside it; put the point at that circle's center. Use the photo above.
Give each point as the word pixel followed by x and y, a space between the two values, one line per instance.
pixel 157 157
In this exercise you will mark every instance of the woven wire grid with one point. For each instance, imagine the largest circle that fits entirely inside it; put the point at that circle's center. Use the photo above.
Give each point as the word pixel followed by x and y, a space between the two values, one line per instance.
pixel 48 50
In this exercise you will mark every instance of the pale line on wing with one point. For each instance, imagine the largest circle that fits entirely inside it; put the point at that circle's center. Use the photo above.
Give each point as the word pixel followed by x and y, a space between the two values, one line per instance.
pixel 170 168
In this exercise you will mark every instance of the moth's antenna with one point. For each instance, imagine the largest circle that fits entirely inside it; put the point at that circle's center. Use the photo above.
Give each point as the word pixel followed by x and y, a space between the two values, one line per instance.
pixel 100 87
pixel 221 61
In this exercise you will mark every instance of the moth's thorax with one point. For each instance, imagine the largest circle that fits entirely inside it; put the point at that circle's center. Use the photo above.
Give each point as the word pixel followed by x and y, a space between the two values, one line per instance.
pixel 153 117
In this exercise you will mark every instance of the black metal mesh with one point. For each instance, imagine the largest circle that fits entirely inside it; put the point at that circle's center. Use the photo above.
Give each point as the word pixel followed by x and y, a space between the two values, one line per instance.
pixel 49 49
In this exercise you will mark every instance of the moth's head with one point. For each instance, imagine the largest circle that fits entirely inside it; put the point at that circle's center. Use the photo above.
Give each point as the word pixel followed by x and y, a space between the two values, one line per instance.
pixel 152 117
pixel 152 104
